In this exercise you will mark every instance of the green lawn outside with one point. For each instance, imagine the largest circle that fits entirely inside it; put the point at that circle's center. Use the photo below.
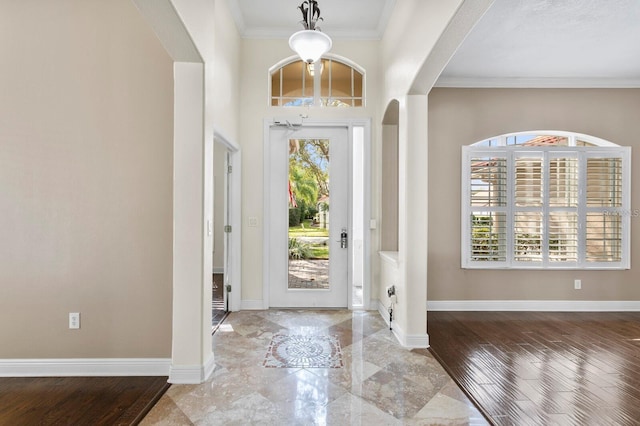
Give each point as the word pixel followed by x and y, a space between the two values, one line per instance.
pixel 306 230
pixel 319 252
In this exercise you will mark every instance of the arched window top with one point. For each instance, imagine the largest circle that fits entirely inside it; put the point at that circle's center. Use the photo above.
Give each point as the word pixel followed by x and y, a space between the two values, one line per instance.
pixel 339 83
pixel 542 138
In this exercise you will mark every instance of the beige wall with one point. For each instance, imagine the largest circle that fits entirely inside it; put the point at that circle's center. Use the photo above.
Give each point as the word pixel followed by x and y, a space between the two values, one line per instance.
pixel 389 189
pixel 460 117
pixel 226 107
pixel 86 130
pixel 226 73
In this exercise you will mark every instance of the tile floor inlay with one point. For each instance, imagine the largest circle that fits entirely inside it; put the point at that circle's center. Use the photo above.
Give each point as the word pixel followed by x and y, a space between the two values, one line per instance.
pixel 308 351
pixel 380 382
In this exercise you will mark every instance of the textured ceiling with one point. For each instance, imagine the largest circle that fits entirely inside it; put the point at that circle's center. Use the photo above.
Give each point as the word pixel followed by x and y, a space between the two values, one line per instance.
pixel 518 43
pixel 576 43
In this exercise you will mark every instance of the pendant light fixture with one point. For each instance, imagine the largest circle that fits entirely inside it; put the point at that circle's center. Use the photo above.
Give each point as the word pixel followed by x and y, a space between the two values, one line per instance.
pixel 311 43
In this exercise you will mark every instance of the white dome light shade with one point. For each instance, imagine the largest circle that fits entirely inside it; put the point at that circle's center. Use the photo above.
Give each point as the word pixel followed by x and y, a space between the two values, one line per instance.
pixel 310 45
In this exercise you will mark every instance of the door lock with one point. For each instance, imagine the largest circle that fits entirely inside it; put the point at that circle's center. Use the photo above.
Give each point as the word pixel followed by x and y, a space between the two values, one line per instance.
pixel 343 238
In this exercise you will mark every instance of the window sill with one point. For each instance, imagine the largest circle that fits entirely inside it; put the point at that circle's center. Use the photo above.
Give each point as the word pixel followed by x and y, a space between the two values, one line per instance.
pixel 390 257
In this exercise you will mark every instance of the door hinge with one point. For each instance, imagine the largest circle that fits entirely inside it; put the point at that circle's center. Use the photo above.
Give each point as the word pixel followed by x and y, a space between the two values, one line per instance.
pixel 229 169
pixel 228 286
pixel 227 228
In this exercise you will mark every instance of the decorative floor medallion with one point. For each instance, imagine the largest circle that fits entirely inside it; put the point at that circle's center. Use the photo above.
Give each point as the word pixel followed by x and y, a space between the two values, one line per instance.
pixel 295 351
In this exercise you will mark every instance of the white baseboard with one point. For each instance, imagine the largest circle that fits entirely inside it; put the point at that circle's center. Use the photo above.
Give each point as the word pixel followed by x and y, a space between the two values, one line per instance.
pixel 534 305
pixel 382 310
pixel 192 374
pixel 416 341
pixel 251 305
pixel 67 367
pixel 209 366
pixel 406 340
pixel 218 270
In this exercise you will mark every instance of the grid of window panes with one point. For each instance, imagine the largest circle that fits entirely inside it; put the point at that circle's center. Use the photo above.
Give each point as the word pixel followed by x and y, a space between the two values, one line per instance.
pixel 292 85
pixel 341 85
pixel 545 205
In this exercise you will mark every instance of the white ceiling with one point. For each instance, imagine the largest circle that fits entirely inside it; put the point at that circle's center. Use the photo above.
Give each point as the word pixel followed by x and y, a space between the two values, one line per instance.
pixel 551 43
pixel 342 19
pixel 518 43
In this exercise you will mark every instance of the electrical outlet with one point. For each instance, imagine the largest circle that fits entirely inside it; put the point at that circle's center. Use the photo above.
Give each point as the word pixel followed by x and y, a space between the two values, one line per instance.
pixel 577 284
pixel 74 320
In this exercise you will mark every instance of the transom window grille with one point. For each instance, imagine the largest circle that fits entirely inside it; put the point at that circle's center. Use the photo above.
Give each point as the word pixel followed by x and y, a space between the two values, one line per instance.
pixel 546 200
pixel 329 82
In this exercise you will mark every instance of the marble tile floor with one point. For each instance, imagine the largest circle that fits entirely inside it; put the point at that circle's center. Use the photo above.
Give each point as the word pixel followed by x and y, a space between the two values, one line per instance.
pixel 380 383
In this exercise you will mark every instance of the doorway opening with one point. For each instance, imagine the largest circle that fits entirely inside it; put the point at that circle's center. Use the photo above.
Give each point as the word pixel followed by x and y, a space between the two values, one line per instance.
pixel 225 282
pixel 219 305
pixel 316 208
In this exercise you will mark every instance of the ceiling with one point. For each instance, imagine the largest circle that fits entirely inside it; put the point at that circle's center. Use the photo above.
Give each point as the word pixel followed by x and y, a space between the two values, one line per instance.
pixel 342 19
pixel 518 43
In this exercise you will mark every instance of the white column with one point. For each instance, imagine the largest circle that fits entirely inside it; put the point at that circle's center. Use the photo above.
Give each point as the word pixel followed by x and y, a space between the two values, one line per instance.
pixel 191 352
pixel 411 314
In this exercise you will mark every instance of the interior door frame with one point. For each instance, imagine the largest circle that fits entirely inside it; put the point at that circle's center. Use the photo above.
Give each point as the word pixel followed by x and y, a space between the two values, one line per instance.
pixel 233 244
pixel 350 124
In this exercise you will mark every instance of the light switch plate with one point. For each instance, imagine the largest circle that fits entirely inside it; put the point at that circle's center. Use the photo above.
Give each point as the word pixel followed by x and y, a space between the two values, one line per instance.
pixel 74 320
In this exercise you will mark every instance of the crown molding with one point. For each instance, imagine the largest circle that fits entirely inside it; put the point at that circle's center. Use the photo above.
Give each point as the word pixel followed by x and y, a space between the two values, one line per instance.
pixel 281 33
pixel 538 83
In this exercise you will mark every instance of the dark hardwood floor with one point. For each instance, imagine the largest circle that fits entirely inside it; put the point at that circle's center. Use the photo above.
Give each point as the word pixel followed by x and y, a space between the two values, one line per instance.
pixel 78 400
pixel 218 307
pixel 543 368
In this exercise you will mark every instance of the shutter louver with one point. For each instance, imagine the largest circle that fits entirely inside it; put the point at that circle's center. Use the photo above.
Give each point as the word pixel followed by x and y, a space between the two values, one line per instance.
pixel 604 182
pixel 604 216
pixel 488 197
pixel 604 238
pixel 529 181
pixel 488 242
pixel 527 243
pixel 488 181
pixel 563 182
pixel 563 237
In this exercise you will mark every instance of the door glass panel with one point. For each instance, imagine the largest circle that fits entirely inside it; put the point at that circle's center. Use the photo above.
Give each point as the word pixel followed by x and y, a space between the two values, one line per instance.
pixel 308 201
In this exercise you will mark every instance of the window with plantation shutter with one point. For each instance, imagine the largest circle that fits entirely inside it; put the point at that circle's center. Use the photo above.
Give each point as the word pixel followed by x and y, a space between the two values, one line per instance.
pixel 545 200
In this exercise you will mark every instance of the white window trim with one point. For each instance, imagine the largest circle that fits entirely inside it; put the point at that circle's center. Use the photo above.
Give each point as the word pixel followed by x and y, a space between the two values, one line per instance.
pixel 602 148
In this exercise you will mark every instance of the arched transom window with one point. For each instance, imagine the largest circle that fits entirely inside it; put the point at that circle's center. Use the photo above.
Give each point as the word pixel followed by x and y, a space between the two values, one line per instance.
pixel 330 82
pixel 546 200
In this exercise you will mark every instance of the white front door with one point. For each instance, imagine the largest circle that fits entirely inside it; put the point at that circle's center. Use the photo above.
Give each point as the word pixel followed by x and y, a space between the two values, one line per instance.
pixel 306 258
